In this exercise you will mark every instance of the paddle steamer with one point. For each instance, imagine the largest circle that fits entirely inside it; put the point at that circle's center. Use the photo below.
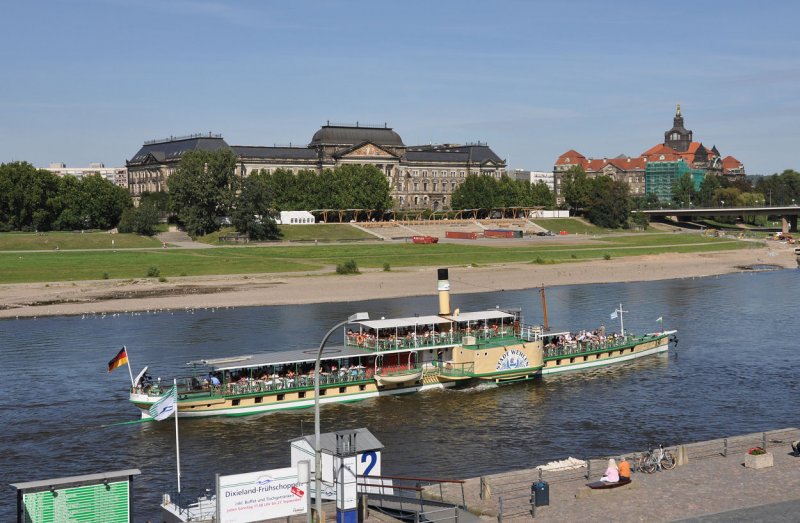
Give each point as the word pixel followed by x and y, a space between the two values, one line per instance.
pixel 395 356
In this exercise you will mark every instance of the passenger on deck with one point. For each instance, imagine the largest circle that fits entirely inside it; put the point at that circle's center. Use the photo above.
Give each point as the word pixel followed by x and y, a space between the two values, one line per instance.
pixel 612 473
pixel 624 470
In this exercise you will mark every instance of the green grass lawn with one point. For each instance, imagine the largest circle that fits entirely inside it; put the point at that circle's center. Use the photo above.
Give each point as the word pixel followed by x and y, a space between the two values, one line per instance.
pixel 48 241
pixel 69 266
pixel 323 232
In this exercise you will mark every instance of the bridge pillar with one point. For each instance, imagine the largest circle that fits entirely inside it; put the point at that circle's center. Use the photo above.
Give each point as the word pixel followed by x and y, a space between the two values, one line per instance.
pixel 789 223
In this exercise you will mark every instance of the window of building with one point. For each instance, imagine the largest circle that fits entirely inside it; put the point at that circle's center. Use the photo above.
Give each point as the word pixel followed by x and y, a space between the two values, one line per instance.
pixel 416 173
pixel 434 173
pixel 435 186
pixel 452 174
pixel 461 173
pixel 425 173
pixel 425 186
pixel 416 186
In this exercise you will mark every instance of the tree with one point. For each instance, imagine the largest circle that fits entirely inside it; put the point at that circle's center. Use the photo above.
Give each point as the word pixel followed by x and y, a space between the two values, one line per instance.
pixel 476 192
pixel 140 220
pixel 780 189
pixel 576 187
pixel 710 184
pixel 683 192
pixel 355 187
pixel 253 213
pixel 542 196
pixel 203 188
pixel 609 203
pixel 28 197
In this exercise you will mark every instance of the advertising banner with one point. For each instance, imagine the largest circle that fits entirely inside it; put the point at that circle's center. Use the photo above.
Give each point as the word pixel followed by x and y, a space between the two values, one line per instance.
pixel 256 496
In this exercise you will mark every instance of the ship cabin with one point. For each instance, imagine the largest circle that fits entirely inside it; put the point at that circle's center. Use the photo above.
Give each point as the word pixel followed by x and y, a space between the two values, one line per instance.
pixel 270 372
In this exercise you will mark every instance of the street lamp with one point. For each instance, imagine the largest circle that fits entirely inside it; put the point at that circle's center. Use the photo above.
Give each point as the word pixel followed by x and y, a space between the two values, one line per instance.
pixel 359 316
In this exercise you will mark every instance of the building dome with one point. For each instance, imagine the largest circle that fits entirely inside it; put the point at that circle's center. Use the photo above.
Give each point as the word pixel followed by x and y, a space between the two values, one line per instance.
pixel 352 135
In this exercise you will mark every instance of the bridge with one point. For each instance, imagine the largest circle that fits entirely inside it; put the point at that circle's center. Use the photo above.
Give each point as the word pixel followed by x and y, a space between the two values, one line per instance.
pixel 788 213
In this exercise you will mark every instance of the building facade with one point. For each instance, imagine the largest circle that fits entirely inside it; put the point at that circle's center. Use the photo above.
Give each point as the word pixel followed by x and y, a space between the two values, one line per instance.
pixel 678 147
pixel 534 177
pixel 420 177
pixel 116 175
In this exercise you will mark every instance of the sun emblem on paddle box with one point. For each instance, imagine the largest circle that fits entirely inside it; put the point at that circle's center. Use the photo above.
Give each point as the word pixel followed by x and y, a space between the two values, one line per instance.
pixel 512 359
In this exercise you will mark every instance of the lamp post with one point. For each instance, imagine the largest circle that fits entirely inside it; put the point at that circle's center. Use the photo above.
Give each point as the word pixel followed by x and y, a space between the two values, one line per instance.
pixel 359 316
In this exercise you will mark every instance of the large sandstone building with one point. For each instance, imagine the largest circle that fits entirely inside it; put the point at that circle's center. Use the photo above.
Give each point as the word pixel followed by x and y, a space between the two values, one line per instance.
pixel 421 176
pixel 654 170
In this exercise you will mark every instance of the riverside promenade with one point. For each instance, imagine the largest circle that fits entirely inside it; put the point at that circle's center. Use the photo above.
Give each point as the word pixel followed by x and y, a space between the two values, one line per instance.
pixel 709 487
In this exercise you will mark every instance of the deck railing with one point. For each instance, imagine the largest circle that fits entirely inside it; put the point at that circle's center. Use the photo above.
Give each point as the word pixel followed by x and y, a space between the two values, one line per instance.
pixel 453 370
pixel 433 340
pixel 589 347
pixel 186 390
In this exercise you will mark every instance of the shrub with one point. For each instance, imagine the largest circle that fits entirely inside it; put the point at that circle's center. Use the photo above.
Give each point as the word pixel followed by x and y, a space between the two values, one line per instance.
pixel 348 267
pixel 539 260
pixel 574 257
pixel 756 451
pixel 153 272
pixel 606 256
pixel 162 279
pixel 387 267
pixel 105 275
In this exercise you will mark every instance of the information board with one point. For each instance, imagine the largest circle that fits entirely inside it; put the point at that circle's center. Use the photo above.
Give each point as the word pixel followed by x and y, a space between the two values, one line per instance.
pixel 256 496
pixel 98 503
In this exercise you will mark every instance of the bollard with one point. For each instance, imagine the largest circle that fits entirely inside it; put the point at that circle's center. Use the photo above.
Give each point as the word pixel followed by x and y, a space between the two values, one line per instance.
pixel 725 447
pixel 540 475
pixel 588 469
pixel 500 512
pixel 764 440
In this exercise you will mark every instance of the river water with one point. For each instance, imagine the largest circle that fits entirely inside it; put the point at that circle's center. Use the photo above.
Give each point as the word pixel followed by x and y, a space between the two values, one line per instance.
pixel 733 372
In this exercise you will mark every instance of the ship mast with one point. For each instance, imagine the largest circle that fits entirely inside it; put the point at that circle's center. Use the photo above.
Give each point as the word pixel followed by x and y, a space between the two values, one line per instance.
pixel 546 327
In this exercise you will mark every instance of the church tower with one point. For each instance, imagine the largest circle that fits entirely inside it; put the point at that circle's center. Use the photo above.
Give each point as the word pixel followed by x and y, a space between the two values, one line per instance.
pixel 678 137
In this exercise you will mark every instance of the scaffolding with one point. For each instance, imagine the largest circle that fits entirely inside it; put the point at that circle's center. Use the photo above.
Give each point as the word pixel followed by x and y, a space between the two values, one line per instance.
pixel 659 177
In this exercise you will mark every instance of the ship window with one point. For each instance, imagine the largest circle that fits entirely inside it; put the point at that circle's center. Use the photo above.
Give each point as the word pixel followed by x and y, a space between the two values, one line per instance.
pixel 235 402
pixel 281 396
pixel 323 392
pixel 558 362
pixel 301 394
pixel 572 360
pixel 342 390
pixel 597 356
pixel 362 387
pixel 260 399
pixel 585 358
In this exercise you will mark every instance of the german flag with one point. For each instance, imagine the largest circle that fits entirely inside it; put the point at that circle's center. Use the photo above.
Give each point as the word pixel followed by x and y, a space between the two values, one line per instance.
pixel 119 360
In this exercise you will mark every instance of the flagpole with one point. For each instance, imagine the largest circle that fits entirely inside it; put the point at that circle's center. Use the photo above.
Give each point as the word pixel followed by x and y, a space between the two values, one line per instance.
pixel 130 372
pixel 621 324
pixel 177 445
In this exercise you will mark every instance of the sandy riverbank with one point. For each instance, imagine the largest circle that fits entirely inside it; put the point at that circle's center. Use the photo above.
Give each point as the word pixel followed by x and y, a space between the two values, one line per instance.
pixel 105 296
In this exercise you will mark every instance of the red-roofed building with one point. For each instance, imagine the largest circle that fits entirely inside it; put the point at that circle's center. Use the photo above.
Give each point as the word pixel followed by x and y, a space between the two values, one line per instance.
pixel 732 167
pixel 678 146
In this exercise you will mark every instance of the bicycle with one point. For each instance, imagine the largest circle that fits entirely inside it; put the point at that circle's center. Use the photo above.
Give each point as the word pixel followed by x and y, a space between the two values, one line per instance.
pixel 658 459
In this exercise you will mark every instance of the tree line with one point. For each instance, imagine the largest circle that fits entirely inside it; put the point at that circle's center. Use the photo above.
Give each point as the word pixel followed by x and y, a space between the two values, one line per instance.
pixel 607 202
pixel 486 192
pixel 34 199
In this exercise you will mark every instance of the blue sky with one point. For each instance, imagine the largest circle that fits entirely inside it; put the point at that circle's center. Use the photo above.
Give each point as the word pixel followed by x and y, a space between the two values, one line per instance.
pixel 90 80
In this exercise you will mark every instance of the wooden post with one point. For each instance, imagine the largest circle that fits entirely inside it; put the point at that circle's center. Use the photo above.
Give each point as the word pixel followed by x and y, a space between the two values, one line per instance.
pixel 725 447
pixel 546 327
pixel 500 512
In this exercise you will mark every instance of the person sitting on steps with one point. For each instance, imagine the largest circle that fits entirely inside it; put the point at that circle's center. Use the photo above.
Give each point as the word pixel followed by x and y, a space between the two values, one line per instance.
pixel 624 469
pixel 612 473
